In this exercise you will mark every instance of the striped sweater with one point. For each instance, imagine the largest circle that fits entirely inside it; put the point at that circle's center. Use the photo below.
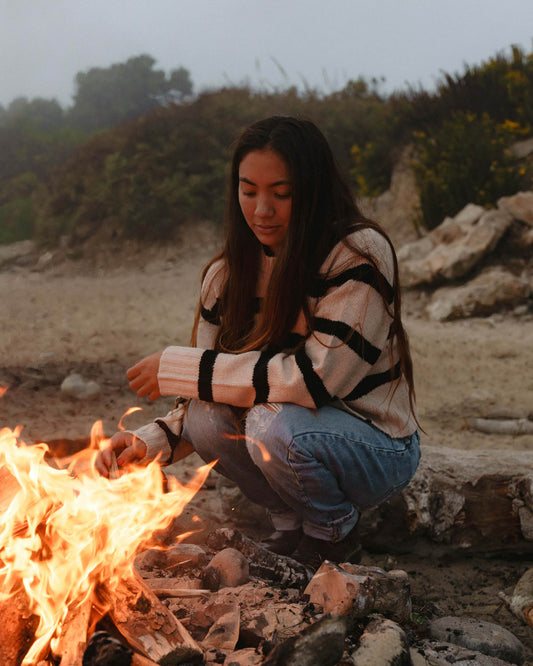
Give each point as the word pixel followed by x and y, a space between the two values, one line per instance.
pixel 345 361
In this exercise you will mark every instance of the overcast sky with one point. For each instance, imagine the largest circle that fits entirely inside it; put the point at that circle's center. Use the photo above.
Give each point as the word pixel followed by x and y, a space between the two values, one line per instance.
pixel 324 43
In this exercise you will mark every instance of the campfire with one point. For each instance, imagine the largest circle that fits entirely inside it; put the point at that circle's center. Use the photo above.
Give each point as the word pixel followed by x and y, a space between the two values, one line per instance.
pixel 68 540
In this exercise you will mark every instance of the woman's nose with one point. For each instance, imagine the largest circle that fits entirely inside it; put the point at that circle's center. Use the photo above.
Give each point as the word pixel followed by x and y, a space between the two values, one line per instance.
pixel 264 207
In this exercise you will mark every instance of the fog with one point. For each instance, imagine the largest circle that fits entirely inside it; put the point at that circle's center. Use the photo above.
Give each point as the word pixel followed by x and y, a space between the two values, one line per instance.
pixel 269 43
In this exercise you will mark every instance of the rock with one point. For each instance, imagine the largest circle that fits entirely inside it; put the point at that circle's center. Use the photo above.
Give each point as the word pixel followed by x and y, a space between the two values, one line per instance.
pixel 485 637
pixel 492 290
pixel 77 387
pixel 414 250
pixel 14 251
pixel 457 246
pixel 383 642
pixel 228 568
pixel 186 554
pixel 520 206
pixel 178 557
pixel 399 206
pixel 469 215
pixel 44 261
pixel 522 149
pixel 436 653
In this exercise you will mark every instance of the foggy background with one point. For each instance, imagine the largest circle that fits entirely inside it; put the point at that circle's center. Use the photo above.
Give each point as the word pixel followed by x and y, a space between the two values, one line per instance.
pixel 267 43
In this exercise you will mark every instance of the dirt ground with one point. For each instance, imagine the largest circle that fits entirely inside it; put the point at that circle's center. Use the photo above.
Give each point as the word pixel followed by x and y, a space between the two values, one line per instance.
pixel 97 314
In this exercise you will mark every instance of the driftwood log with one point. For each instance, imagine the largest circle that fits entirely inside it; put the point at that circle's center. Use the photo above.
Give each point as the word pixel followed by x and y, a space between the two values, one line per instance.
pixel 469 501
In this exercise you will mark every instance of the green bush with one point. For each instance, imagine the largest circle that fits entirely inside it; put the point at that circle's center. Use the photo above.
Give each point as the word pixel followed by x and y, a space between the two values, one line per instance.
pixel 465 160
pixel 16 220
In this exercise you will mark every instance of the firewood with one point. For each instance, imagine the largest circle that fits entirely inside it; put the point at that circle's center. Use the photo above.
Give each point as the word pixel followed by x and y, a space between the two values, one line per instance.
pixel 283 571
pixel 17 629
pixel 9 487
pixel 179 592
pixel 72 640
pixel 469 501
pixel 139 660
pixel 147 624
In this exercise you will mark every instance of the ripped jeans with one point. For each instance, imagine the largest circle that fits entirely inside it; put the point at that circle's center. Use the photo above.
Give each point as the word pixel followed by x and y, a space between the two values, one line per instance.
pixel 314 469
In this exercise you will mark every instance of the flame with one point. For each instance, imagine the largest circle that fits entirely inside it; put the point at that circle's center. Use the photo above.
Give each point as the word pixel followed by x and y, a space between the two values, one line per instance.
pixel 246 439
pixel 66 530
pixel 3 389
pixel 128 412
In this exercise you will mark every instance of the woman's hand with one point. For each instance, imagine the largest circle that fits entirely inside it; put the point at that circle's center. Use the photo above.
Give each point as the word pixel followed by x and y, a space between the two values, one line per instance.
pixel 143 377
pixel 131 449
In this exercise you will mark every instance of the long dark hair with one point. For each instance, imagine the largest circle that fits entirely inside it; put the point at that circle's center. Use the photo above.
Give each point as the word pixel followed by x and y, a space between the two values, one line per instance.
pixel 323 213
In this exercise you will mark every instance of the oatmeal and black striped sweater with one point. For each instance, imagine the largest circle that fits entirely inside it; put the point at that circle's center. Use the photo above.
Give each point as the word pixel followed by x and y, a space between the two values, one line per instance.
pixel 345 362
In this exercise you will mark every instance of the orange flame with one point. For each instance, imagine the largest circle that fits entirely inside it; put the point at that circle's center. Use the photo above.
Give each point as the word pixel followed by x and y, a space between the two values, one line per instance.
pixel 3 389
pixel 246 439
pixel 128 412
pixel 65 531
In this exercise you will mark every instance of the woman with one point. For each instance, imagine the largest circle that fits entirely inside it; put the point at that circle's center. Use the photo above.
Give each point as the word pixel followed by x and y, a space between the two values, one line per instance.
pixel 299 378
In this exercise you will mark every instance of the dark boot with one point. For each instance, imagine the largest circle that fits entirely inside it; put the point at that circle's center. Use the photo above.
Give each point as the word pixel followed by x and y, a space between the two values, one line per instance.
pixel 312 552
pixel 283 542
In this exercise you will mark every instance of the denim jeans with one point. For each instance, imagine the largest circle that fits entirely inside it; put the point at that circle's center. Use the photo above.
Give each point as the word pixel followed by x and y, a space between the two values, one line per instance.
pixel 314 469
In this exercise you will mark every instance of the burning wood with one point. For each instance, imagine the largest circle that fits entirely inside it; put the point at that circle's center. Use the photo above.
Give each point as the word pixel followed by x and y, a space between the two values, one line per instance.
pixel 68 538
pixel 147 624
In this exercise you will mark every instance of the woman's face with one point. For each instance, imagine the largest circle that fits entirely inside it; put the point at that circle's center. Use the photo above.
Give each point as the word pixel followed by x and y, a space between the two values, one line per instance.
pixel 265 196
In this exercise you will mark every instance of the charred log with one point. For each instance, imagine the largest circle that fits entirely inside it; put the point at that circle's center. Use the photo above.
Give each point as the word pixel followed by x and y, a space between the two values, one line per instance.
pixel 283 571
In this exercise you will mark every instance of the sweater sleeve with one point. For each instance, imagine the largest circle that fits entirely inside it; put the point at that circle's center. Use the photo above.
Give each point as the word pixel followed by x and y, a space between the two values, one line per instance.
pixel 349 340
pixel 209 321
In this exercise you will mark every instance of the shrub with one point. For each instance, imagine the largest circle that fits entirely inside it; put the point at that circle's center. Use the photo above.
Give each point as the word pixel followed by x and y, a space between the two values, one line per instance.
pixel 465 160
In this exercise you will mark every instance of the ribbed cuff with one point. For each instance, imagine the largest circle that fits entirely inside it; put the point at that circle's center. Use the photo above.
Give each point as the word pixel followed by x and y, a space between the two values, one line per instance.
pixel 156 442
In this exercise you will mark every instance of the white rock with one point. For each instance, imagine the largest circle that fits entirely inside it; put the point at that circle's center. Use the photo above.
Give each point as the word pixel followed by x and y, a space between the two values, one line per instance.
pixel 76 386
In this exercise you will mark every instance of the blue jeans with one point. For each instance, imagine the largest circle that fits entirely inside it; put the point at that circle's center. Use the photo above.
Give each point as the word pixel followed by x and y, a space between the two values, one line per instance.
pixel 314 469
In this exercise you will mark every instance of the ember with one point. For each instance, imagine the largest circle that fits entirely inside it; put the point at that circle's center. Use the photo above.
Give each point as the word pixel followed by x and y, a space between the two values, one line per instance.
pixel 68 537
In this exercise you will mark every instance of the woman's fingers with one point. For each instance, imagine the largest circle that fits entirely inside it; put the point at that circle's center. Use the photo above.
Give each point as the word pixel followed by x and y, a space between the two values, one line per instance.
pixel 129 447
pixel 143 377
pixel 135 451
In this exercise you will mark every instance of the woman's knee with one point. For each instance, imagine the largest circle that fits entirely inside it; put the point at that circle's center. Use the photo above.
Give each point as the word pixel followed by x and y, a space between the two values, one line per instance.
pixel 207 426
pixel 266 435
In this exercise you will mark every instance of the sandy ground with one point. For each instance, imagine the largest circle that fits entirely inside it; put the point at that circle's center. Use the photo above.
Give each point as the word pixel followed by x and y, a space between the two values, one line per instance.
pixel 97 315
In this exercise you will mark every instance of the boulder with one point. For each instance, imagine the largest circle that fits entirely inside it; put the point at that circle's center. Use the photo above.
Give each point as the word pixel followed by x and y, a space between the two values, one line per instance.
pixel 486 637
pixel 492 290
pixel 520 206
pixel 454 248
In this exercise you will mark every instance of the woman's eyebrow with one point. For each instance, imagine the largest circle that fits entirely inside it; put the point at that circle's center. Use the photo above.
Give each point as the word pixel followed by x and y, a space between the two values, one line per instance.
pixel 242 179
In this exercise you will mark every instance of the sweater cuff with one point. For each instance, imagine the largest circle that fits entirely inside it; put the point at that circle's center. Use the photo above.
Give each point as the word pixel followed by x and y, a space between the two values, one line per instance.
pixel 178 371
pixel 156 442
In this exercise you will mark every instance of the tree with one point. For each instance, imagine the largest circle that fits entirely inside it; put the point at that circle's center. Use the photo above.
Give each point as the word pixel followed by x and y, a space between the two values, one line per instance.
pixel 105 97
pixel 39 113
